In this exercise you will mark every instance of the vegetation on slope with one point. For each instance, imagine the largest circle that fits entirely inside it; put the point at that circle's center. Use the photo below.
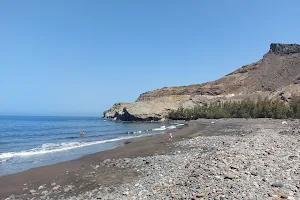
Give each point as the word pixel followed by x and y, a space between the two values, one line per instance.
pixel 261 108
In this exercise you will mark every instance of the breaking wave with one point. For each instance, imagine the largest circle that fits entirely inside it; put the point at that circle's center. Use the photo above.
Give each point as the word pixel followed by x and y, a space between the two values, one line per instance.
pixel 65 146
pixel 162 128
pixel 56 147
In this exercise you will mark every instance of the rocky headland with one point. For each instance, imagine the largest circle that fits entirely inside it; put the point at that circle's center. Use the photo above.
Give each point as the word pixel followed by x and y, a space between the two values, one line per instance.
pixel 276 75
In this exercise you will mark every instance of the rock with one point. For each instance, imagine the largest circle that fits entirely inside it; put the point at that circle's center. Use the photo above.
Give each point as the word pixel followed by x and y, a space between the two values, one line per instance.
pixel 187 165
pixel 103 197
pixel 56 187
pixel 199 195
pixel 277 184
pixel 106 161
pixel 234 167
pixel 53 184
pixel 254 173
pixel 278 195
pixel 32 191
pixel 284 196
pixel 270 194
pixel 293 157
pixel 41 187
pixel 68 188
pixel 229 175
pixel 284 48
pixel 44 192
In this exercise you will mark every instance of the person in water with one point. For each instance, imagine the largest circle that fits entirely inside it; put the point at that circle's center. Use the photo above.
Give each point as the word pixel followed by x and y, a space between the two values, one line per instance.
pixel 81 133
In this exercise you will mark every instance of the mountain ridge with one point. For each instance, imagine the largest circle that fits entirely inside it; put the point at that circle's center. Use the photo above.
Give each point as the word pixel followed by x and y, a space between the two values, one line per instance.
pixel 276 75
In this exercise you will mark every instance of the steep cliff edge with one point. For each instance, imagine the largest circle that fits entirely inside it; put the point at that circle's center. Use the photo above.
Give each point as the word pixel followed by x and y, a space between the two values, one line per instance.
pixel 276 75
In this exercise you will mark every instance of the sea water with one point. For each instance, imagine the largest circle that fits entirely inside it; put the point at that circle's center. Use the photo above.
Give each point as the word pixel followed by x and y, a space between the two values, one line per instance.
pixel 28 142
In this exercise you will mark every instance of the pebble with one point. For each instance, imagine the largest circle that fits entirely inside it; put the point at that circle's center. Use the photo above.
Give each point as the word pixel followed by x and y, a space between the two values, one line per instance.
pixel 44 192
pixel 41 187
pixel 68 188
pixel 200 195
pixel 32 191
pixel 277 184
pixel 56 187
pixel 106 161
pixel 229 175
pixel 254 173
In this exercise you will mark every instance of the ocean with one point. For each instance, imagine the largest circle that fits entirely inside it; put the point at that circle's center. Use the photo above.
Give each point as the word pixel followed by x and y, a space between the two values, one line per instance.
pixel 28 142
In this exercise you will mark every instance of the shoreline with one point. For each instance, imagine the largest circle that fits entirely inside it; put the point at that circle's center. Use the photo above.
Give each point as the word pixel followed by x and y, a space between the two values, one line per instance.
pixel 104 144
pixel 144 165
pixel 61 172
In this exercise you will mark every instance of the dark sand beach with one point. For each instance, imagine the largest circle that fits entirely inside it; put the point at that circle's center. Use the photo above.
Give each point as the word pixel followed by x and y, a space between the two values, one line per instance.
pixel 107 169
pixel 73 172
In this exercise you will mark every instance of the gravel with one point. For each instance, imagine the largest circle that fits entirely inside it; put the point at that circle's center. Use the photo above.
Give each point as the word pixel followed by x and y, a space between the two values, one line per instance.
pixel 262 162
pixel 261 165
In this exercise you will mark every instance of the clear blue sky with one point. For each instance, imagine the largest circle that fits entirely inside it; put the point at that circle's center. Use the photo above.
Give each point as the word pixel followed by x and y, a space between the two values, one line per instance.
pixel 76 57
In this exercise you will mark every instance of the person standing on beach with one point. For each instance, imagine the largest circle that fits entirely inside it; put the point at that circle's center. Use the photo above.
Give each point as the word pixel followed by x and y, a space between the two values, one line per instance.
pixel 170 137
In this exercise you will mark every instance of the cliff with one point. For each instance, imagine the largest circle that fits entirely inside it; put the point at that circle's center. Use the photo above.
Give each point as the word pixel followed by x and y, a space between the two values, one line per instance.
pixel 276 75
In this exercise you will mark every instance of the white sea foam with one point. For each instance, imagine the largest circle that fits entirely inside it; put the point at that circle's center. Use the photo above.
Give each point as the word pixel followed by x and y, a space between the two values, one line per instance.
pixel 64 146
pixel 162 128
pixel 56 147
pixel 135 132
pixel 171 127
pixel 176 124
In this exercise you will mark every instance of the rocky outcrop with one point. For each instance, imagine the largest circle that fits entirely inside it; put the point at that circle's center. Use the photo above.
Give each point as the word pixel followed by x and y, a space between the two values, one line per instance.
pixel 153 110
pixel 284 49
pixel 276 75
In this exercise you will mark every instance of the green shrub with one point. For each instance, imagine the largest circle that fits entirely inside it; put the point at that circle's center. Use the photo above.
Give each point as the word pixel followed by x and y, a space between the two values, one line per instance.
pixel 261 108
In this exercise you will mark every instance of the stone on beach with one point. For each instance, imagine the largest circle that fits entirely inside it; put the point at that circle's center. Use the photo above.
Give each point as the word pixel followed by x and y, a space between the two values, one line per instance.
pixel 32 192
pixel 277 184
pixel 41 187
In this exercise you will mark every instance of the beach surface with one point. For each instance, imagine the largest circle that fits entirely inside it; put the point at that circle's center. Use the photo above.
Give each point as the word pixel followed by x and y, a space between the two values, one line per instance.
pixel 208 159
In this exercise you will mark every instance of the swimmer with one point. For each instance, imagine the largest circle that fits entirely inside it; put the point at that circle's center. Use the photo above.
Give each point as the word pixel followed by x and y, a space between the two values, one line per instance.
pixel 81 133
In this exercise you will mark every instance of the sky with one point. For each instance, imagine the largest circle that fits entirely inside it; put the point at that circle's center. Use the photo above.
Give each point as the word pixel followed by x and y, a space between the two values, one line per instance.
pixel 77 58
